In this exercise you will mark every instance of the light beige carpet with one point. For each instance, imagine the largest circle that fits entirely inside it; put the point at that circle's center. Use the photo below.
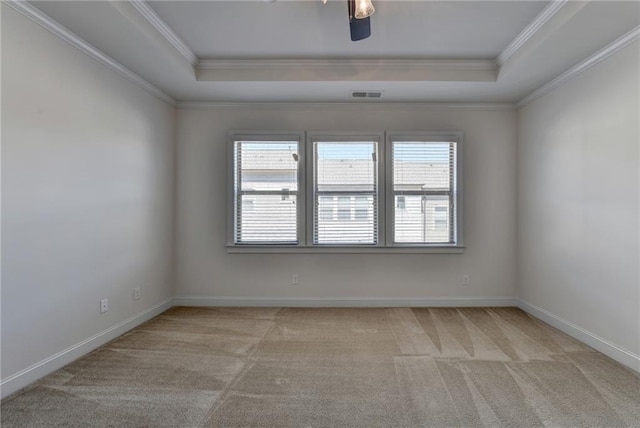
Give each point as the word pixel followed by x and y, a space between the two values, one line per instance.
pixel 399 367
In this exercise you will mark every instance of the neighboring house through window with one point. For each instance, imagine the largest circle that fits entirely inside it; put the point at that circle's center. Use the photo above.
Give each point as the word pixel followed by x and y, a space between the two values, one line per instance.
pixel 424 176
pixel 345 168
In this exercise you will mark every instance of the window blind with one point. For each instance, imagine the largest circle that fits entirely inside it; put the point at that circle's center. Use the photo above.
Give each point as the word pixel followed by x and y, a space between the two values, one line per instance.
pixel 424 191
pixel 345 192
pixel 266 192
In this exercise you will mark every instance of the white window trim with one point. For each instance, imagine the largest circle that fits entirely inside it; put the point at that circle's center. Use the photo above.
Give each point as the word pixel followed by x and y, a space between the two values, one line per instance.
pixel 344 249
pixel 445 137
pixel 305 217
pixel 313 137
pixel 233 136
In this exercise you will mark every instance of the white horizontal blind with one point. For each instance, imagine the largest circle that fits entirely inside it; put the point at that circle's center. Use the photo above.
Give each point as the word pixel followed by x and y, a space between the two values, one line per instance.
pixel 424 192
pixel 345 192
pixel 266 192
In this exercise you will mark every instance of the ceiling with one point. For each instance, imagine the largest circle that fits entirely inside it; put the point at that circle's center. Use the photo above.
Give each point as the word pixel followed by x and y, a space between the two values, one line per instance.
pixel 284 29
pixel 300 51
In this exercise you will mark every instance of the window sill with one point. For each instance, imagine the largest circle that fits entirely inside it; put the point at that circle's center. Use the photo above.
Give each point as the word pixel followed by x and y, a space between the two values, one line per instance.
pixel 294 249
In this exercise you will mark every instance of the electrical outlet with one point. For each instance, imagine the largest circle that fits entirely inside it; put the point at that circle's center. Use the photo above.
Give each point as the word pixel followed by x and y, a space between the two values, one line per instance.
pixel 104 305
pixel 136 293
pixel 465 279
pixel 295 280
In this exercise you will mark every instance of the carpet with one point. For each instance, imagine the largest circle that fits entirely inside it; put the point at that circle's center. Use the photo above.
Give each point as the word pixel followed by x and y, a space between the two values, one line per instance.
pixel 335 367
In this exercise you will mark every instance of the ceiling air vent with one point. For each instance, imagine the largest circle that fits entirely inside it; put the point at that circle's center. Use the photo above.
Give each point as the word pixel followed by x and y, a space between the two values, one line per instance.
pixel 366 94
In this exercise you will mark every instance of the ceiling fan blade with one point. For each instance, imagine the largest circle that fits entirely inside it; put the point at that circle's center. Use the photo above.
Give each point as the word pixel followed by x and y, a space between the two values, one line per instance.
pixel 360 28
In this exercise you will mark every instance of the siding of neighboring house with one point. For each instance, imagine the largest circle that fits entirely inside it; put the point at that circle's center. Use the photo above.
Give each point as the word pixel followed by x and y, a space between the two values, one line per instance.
pixel 346 201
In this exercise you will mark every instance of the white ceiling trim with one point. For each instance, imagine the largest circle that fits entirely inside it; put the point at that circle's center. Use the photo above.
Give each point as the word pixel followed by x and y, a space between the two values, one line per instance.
pixel 346 64
pixel 158 23
pixel 530 30
pixel 63 33
pixel 204 105
pixel 341 69
pixel 602 54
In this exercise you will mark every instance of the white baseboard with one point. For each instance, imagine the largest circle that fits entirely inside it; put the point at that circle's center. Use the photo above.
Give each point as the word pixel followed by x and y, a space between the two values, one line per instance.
pixel 42 368
pixel 619 354
pixel 344 302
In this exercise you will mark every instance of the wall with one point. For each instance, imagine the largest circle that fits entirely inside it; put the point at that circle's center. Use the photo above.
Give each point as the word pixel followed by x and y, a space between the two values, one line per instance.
pixel 204 269
pixel 578 203
pixel 87 200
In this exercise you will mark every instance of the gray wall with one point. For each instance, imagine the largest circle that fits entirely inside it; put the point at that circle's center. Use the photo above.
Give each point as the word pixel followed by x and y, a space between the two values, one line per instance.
pixel 87 195
pixel 578 192
pixel 205 269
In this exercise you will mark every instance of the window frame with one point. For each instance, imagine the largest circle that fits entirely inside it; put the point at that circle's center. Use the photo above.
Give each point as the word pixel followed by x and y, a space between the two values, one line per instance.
pixel 325 137
pixel 384 192
pixel 271 136
pixel 456 213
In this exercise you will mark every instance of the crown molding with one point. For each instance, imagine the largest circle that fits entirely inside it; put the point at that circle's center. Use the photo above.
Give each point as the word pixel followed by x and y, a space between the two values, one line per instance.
pixel 530 30
pixel 63 33
pixel 346 64
pixel 163 28
pixel 342 69
pixel 312 106
pixel 620 43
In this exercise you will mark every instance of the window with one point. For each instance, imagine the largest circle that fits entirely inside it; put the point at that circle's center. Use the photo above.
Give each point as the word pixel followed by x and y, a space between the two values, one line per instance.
pixel 247 205
pixel 401 202
pixel 346 170
pixel 362 212
pixel 345 192
pixel 265 191
pixel 344 208
pixel 424 175
pixel 325 207
pixel 441 218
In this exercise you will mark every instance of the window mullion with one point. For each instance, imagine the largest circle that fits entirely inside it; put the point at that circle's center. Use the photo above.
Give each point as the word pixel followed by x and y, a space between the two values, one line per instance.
pixel 302 192
pixel 309 192
pixel 381 187
pixel 389 192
